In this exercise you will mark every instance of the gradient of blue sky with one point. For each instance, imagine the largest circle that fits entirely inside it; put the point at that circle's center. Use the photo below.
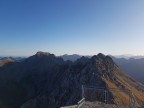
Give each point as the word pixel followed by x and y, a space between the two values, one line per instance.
pixel 85 27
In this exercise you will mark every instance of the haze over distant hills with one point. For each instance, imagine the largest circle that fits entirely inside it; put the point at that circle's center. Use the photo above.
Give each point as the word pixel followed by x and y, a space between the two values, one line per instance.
pixel 132 66
pixel 47 81
pixel 72 57
pixel 128 56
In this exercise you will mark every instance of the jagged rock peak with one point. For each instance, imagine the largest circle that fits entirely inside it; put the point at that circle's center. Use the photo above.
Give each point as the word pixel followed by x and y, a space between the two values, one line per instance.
pixel 100 55
pixel 40 53
pixel 103 59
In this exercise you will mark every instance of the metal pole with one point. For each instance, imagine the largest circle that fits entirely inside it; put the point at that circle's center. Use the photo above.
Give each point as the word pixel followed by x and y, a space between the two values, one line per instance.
pixel 105 96
pixel 82 91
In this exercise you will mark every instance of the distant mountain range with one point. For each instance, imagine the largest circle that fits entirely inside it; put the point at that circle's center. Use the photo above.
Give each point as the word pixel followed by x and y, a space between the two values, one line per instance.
pixel 73 57
pixel 47 81
pixel 13 58
pixel 128 56
pixel 4 61
pixel 133 67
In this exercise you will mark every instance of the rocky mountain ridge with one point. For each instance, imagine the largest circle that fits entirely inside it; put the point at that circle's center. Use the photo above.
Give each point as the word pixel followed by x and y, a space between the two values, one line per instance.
pixel 44 80
pixel 98 71
pixel 133 65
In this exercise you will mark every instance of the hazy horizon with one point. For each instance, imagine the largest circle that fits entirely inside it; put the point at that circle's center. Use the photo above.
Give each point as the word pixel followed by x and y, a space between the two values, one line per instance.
pixel 65 27
pixel 119 55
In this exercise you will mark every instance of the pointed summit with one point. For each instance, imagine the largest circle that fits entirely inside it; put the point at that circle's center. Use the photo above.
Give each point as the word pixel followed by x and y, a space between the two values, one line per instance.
pixel 99 56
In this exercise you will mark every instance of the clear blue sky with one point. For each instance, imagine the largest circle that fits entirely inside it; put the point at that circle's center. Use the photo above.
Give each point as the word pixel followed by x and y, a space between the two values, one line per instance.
pixel 84 27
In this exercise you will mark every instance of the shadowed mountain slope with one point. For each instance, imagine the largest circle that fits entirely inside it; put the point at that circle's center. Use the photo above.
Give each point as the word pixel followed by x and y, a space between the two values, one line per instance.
pixel 100 71
pixel 21 81
pixel 46 81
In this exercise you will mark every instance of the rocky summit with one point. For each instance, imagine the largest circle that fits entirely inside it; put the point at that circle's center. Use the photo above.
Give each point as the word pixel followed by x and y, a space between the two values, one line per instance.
pixel 46 81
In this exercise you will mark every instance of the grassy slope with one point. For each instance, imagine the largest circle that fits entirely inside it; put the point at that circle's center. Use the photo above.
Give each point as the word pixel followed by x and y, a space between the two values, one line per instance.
pixel 122 97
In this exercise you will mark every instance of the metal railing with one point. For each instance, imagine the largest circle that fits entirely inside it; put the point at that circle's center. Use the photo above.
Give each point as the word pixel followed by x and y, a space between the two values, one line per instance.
pixel 121 97
pixel 80 103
